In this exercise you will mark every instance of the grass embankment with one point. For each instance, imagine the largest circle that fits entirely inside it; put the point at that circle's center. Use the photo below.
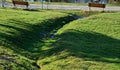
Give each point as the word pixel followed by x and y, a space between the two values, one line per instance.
pixel 92 43
pixel 20 33
pixel 26 37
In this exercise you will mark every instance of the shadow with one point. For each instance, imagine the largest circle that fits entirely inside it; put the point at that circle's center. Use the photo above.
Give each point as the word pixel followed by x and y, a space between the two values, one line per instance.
pixel 33 10
pixel 29 40
pixel 88 45
pixel 30 34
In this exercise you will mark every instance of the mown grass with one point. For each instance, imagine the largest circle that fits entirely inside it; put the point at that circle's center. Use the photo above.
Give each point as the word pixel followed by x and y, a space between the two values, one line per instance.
pixel 92 43
pixel 30 40
pixel 20 31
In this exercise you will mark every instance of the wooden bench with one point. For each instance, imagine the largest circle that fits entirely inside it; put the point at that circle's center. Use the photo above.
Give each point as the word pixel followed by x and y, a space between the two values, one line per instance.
pixel 20 3
pixel 97 5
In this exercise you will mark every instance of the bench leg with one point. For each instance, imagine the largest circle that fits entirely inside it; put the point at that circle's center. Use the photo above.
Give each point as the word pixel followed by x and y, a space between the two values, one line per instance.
pixel 27 6
pixel 14 5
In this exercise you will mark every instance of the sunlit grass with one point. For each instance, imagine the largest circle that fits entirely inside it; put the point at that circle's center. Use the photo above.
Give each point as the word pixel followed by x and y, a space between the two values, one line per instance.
pixel 31 39
pixel 92 43
pixel 19 33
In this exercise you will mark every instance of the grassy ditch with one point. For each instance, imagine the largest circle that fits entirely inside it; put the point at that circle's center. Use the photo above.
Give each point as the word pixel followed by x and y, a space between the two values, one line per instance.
pixel 32 40
pixel 20 31
pixel 92 43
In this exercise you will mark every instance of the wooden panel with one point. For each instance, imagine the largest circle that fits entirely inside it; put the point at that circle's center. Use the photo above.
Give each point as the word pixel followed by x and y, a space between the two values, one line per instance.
pixel 96 5
pixel 20 2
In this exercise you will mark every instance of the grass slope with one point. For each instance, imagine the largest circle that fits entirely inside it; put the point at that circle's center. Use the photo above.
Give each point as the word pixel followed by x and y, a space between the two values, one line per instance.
pixel 20 31
pixel 91 43
pixel 27 38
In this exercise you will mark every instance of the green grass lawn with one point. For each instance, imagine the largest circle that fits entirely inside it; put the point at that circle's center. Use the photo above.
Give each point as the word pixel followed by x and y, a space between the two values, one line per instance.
pixel 30 40
pixel 92 43
pixel 20 31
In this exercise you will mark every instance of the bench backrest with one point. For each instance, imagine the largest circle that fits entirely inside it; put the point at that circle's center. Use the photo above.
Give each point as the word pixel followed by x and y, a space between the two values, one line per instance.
pixel 20 2
pixel 96 5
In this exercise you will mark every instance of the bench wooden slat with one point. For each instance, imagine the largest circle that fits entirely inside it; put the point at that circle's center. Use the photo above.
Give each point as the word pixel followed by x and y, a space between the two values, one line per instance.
pixel 20 3
pixel 96 5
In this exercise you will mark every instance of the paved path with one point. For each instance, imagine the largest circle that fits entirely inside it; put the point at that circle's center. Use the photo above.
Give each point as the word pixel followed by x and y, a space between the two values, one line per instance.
pixel 63 7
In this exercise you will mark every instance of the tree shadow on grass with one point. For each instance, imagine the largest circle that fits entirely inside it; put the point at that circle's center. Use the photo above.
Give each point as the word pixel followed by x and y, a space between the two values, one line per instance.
pixel 91 46
pixel 88 45
pixel 29 34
